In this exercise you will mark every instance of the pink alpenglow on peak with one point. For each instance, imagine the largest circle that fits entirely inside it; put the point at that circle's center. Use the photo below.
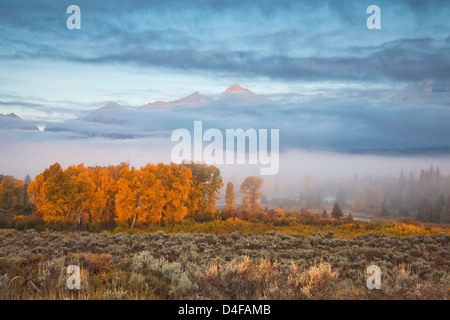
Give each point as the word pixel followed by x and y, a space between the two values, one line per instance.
pixel 233 94
pixel 242 95
pixel 193 98
pixel 9 115
pixel 236 88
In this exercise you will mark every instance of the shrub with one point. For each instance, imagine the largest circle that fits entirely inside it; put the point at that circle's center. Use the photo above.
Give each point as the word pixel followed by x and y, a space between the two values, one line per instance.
pixel 314 283
pixel 99 263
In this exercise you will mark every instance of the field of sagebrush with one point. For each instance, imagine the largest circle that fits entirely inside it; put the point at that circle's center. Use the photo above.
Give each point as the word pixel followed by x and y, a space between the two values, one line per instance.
pixel 156 265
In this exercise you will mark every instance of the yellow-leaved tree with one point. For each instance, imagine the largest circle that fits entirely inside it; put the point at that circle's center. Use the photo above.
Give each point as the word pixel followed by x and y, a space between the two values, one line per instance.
pixel 151 200
pixel 49 193
pixel 127 198
pixel 206 184
pixel 177 183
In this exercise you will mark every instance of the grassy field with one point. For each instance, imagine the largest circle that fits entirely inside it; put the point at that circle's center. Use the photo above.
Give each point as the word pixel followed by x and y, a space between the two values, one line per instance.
pixel 216 265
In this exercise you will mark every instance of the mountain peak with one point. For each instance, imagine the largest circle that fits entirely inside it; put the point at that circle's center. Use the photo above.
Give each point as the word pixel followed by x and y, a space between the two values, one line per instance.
pixel 243 95
pixel 193 98
pixel 111 105
pixel 236 88
pixel 10 115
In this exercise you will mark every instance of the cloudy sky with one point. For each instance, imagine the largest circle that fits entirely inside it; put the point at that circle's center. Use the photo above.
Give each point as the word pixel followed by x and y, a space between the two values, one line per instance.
pixel 135 52
pixel 141 51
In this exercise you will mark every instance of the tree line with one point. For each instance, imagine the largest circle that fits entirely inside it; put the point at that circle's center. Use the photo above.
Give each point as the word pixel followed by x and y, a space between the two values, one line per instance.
pixel 98 198
pixel 103 197
pixel 400 195
pixel 439 212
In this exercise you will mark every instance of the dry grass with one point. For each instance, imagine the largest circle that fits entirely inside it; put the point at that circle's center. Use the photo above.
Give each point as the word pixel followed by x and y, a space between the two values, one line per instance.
pixel 233 266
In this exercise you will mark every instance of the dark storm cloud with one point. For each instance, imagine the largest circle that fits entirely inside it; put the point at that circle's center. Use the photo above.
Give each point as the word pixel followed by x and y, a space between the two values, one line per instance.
pixel 406 61
pixel 234 37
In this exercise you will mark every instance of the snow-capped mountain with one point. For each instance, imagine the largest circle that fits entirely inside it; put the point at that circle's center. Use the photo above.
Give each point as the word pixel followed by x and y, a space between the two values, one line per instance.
pixel 110 105
pixel 234 93
pixel 193 98
pixel 236 88
pixel 9 115
pixel 323 123
pixel 13 121
pixel 240 94
pixel 111 112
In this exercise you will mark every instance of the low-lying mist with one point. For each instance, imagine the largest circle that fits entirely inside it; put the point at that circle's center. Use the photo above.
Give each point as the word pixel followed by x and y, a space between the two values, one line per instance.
pixel 20 157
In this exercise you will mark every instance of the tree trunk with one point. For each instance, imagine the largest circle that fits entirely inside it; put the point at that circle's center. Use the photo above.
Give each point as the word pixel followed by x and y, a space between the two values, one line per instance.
pixel 134 221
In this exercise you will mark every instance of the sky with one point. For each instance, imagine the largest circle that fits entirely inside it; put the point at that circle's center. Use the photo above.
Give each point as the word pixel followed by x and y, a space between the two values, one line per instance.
pixel 136 52
pixel 142 51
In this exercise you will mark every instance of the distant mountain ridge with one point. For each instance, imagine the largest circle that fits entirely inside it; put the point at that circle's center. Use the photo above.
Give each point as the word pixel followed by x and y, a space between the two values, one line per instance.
pixel 236 88
pixel 111 105
pixel 103 114
pixel 13 121
pixel 242 95
pixel 315 123
pixel 235 92
pixel 193 98
pixel 10 115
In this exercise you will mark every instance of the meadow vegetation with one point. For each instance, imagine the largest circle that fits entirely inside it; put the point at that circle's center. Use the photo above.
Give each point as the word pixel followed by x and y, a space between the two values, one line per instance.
pixel 158 265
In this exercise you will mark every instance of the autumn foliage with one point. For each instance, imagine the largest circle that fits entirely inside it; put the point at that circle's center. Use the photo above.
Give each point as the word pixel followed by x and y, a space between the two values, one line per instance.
pixel 250 187
pixel 99 197
pixel 12 194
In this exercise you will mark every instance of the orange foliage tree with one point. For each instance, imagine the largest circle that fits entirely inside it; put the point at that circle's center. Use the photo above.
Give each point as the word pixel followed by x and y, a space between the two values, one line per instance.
pixel 97 197
pixel 127 196
pixel 206 184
